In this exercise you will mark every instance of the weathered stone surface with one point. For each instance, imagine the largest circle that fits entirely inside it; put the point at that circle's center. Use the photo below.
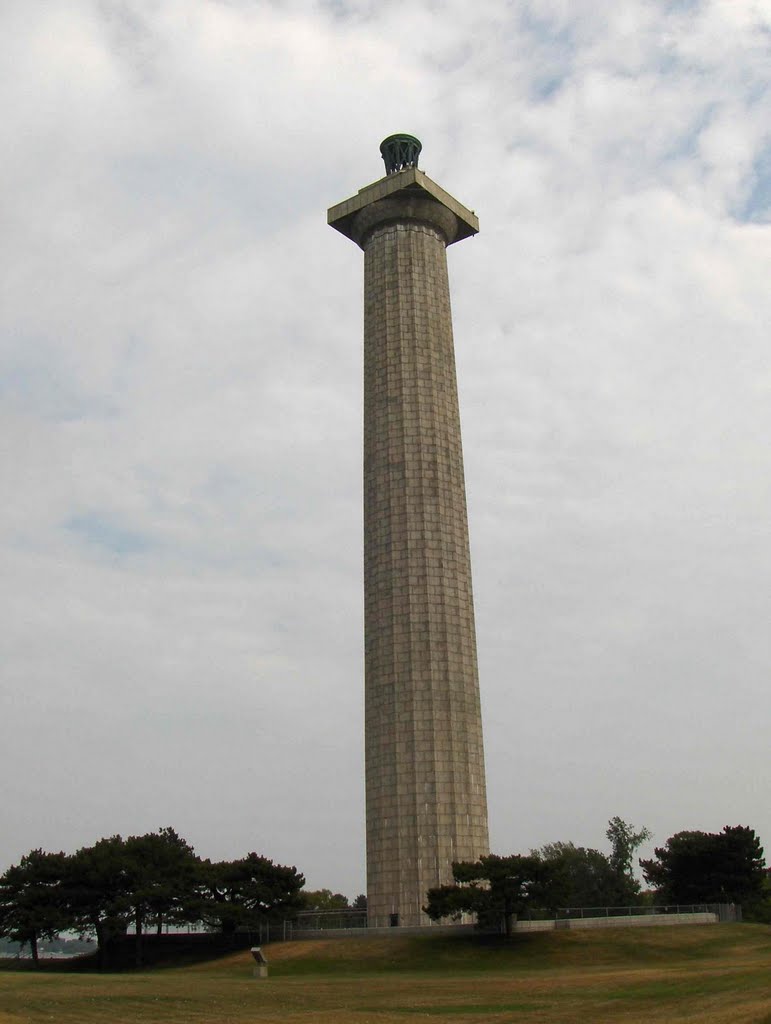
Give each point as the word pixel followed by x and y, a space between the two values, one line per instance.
pixel 410 181
pixel 425 780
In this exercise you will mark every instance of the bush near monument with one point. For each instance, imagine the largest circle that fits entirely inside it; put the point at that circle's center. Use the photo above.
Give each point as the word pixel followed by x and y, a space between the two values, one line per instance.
pixel 497 889
pixel 693 867
pixel 494 888
pixel 556 875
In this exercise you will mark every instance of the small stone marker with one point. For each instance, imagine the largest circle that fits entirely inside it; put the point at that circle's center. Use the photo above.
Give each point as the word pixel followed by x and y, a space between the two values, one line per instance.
pixel 260 969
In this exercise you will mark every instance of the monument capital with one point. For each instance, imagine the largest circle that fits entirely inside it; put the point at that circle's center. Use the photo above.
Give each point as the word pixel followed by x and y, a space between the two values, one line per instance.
pixel 403 188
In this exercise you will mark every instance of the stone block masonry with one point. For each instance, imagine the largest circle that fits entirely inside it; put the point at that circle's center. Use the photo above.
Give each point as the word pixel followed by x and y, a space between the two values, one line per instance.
pixel 425 779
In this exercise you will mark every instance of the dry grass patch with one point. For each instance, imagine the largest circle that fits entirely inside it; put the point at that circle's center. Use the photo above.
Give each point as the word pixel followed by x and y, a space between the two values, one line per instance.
pixel 714 975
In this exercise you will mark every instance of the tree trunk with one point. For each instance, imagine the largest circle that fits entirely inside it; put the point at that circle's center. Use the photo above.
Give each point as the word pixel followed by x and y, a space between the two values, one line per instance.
pixel 229 930
pixel 100 937
pixel 138 943
pixel 33 949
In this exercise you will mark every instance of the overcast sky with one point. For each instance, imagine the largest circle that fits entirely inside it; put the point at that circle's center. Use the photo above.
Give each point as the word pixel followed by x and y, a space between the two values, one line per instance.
pixel 181 639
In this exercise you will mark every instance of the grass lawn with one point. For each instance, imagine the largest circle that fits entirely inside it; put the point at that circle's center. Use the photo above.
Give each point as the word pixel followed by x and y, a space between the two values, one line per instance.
pixel 719 974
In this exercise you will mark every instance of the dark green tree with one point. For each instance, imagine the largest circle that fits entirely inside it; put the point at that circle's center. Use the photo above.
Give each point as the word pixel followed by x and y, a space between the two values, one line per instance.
pixel 324 899
pixel 573 876
pixel 704 867
pixel 240 893
pixel 624 841
pixel 31 904
pixel 494 888
pixel 162 872
pixel 97 890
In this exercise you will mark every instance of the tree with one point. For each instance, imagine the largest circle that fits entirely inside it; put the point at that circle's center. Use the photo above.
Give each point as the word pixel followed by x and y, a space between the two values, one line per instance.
pixel 324 899
pixel 573 876
pixel 240 893
pixel 624 841
pixel 97 891
pixel 703 867
pixel 493 888
pixel 161 880
pixel 360 903
pixel 31 905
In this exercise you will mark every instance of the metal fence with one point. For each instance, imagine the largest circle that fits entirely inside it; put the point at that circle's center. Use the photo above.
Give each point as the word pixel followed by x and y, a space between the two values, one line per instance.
pixel 320 921
pixel 329 920
pixel 724 911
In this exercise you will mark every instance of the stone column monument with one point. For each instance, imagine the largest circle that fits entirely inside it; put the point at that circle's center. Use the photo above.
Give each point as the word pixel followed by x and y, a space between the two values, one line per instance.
pixel 425 777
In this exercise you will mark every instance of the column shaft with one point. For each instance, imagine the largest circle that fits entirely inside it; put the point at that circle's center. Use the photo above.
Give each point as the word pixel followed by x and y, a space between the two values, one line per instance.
pixel 425 781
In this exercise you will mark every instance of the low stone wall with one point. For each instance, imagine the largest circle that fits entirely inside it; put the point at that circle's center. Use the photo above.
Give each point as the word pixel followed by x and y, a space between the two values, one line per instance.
pixel 625 921
pixel 392 933
pixel 635 921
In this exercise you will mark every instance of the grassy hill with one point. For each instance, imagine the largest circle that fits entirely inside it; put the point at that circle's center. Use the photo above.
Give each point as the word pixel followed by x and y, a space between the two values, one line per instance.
pixel 713 975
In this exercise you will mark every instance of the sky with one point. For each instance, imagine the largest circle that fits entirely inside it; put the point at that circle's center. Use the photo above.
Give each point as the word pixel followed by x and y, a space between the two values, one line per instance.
pixel 181 408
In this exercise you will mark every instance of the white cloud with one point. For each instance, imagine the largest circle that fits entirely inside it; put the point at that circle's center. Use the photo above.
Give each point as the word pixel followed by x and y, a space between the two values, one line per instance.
pixel 180 374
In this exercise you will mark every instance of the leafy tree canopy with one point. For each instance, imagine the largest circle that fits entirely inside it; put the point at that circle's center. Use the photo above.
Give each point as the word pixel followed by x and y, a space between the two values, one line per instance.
pixel 162 870
pixel 103 888
pixel 574 876
pixel 240 893
pixel 324 899
pixel 97 890
pixel 556 875
pixel 494 888
pixel 704 867
pixel 31 905
pixel 624 841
